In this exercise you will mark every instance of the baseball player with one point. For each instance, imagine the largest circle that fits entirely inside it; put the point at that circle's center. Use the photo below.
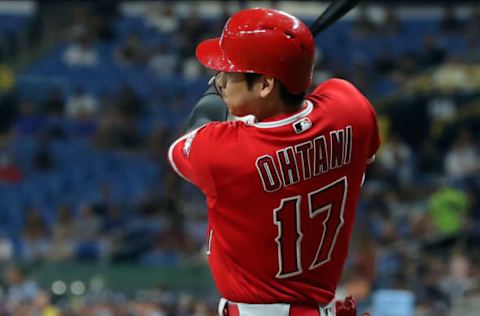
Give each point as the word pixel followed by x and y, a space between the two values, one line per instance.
pixel 282 186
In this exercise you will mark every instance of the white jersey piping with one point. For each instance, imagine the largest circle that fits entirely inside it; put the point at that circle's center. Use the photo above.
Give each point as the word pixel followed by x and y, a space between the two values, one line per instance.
pixel 172 147
pixel 288 120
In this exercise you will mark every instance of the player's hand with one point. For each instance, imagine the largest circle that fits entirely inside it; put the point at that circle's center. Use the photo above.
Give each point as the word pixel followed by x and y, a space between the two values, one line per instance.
pixel 347 307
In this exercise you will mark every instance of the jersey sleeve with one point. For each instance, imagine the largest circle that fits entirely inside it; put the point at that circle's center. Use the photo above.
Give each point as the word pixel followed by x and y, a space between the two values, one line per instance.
pixel 189 157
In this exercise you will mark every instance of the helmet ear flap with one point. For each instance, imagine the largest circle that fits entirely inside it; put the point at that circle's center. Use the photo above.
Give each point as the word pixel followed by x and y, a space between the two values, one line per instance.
pixel 267 42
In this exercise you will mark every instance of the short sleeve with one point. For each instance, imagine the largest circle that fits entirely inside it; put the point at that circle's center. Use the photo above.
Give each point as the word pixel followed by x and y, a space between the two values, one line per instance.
pixel 189 158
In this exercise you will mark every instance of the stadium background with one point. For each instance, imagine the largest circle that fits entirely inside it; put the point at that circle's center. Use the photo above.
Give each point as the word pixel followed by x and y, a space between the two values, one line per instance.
pixel 93 222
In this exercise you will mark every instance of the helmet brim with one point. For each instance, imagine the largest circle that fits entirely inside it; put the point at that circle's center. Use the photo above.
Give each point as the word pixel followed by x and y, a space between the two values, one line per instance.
pixel 211 55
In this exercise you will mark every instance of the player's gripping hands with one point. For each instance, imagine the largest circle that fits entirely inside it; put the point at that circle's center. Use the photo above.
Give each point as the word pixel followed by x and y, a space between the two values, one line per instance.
pixel 347 307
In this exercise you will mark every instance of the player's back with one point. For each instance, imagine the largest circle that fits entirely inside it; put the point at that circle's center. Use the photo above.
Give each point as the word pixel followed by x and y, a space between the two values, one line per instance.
pixel 282 195
pixel 287 189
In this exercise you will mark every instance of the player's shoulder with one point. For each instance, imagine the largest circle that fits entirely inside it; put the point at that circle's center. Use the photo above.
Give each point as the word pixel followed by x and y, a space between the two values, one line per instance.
pixel 220 131
pixel 340 92
pixel 335 84
pixel 207 138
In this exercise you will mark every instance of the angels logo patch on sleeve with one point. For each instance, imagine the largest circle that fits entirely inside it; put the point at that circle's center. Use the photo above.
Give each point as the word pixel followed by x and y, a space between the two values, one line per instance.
pixel 188 142
pixel 302 125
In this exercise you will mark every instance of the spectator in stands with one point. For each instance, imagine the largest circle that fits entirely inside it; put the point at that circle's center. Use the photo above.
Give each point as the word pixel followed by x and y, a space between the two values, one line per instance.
pixel 105 14
pixel 114 219
pixel 51 114
pixel 6 248
pixel 161 17
pixel 441 108
pixel 81 26
pixel 7 78
pixel 87 229
pixel 396 158
pixel 101 206
pixel 355 283
pixel 473 22
pixel 87 225
pixel 29 120
pixel 462 158
pixel 118 126
pixel 448 209
pixel 43 305
pixel 131 51
pixel 459 280
pixel 164 249
pixel 469 305
pixel 43 158
pixel 10 172
pixel 364 25
pixel 63 235
pixel 191 69
pixel 450 22
pixel 408 65
pixel 201 309
pixel 430 298
pixel 20 289
pixel 55 103
pixel 385 63
pixel 163 61
pixel 432 53
pixel 473 50
pixel 35 241
pixel 420 226
pixel 129 138
pixel 106 136
pixel 363 259
pixel 158 143
pixel 81 54
pixel 216 26
pixel 389 25
pixel 362 75
pixel 191 31
pixel 128 103
pixel 81 105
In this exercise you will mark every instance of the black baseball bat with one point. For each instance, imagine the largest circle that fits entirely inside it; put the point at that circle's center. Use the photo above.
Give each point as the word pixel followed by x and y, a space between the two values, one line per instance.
pixel 335 11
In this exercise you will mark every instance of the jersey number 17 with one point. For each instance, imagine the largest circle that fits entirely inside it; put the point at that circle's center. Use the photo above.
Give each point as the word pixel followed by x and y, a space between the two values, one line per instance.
pixel 330 199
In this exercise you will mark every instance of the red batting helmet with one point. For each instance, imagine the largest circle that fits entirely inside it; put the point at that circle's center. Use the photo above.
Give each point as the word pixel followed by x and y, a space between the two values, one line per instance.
pixel 263 41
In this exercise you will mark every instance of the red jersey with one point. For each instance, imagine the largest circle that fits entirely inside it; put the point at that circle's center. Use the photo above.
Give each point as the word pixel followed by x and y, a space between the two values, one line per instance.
pixel 282 194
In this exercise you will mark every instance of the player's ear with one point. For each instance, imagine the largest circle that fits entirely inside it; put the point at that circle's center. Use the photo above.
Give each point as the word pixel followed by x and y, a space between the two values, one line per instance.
pixel 267 85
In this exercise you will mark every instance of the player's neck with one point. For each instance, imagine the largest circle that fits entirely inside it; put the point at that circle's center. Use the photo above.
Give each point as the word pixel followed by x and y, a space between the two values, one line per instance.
pixel 275 108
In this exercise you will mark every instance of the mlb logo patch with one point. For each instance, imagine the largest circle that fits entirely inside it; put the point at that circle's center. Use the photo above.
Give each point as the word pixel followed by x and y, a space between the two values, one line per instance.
pixel 302 125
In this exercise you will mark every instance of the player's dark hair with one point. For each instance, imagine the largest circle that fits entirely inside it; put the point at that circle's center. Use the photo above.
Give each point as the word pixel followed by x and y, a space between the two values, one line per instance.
pixel 290 99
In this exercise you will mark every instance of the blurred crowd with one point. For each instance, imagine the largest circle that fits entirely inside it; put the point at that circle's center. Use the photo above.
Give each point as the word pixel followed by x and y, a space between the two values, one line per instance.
pixel 418 218
pixel 174 54
pixel 24 297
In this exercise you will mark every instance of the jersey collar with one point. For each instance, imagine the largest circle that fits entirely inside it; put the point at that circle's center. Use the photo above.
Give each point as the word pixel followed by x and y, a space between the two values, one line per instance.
pixel 276 122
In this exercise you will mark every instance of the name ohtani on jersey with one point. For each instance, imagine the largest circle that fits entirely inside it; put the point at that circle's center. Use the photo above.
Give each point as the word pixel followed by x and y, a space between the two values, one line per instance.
pixel 292 164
